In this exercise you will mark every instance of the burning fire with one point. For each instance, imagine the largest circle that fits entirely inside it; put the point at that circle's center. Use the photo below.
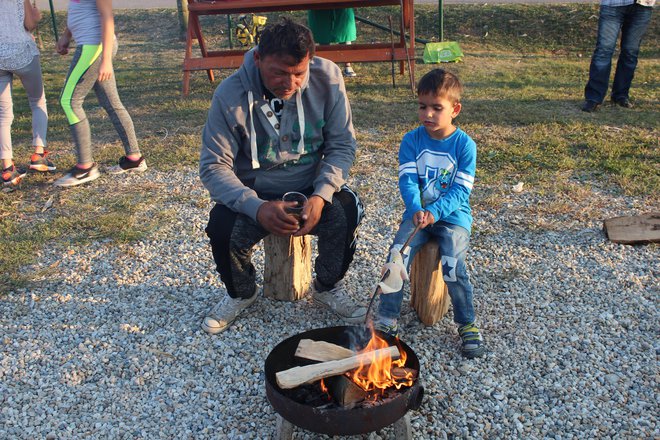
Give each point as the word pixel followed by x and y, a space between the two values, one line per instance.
pixel 379 374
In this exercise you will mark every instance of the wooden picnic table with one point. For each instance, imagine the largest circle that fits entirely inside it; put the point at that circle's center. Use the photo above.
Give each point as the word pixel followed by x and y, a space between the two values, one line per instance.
pixel 401 50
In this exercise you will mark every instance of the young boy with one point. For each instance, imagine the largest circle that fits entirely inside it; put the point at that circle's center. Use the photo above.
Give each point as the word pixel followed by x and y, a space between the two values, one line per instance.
pixel 437 163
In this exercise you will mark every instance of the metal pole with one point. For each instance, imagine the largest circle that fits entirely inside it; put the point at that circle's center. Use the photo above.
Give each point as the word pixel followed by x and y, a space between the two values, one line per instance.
pixel 230 31
pixel 52 16
pixel 442 24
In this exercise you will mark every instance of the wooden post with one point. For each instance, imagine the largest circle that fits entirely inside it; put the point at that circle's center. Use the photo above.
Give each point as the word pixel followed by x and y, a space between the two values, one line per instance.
pixel 287 267
pixel 428 291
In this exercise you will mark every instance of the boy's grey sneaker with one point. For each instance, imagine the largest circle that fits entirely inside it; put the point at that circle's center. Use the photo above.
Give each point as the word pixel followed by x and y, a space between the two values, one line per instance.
pixel 225 312
pixel 387 328
pixel 78 176
pixel 126 165
pixel 339 301
pixel 473 344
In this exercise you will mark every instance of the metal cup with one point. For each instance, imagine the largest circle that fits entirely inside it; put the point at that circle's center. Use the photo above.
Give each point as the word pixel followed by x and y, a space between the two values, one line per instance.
pixel 297 208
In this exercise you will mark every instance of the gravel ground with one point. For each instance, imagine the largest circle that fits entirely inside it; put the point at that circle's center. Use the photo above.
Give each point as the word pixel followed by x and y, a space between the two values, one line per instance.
pixel 110 346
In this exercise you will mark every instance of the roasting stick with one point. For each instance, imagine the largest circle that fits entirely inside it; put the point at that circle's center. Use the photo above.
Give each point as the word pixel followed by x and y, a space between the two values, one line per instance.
pixel 378 290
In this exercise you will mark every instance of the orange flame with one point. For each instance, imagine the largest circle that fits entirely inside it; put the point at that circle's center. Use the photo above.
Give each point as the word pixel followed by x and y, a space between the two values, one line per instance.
pixel 377 375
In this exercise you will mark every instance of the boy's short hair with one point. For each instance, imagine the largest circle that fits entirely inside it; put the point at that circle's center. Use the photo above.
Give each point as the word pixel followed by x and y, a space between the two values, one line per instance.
pixel 286 38
pixel 439 82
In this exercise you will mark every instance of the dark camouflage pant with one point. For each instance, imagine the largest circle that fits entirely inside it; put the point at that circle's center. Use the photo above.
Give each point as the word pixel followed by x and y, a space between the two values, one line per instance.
pixel 234 236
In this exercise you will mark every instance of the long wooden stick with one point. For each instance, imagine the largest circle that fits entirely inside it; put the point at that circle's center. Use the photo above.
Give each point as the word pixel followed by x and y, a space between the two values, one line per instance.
pixel 296 376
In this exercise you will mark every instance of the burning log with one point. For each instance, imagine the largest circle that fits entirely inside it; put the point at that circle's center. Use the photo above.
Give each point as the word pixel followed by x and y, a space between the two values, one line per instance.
pixel 295 376
pixel 401 373
pixel 322 351
pixel 345 392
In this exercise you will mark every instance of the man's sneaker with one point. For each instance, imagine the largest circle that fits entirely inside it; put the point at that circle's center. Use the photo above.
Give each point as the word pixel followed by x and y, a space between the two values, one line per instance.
pixel 78 176
pixel 225 312
pixel 126 165
pixel 473 345
pixel 338 300
pixel 387 326
pixel 12 175
pixel 40 162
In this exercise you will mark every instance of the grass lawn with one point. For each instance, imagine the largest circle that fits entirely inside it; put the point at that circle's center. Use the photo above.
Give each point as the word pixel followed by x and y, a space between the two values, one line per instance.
pixel 524 70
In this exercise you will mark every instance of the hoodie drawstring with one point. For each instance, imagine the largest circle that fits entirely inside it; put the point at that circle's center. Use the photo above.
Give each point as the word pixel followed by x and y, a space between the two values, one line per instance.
pixel 273 121
pixel 253 133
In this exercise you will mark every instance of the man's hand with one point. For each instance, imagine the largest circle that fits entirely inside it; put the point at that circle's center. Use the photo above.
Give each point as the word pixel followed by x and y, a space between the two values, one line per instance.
pixel 311 215
pixel 274 219
pixel 423 218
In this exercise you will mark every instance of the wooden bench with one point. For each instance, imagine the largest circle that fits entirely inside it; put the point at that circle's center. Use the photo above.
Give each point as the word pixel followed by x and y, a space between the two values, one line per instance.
pixel 287 267
pixel 428 291
pixel 373 51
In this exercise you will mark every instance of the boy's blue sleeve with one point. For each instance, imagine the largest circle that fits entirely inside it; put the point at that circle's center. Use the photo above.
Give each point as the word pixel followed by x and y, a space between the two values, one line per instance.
pixel 408 180
pixel 461 187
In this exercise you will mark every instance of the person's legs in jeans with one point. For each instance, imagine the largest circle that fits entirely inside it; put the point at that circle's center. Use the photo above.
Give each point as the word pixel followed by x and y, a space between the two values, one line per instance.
pixel 609 25
pixel 389 308
pixel 634 26
pixel 453 242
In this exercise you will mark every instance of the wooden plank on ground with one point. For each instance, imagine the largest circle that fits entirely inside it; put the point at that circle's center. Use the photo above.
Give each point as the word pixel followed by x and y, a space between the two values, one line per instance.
pixel 635 229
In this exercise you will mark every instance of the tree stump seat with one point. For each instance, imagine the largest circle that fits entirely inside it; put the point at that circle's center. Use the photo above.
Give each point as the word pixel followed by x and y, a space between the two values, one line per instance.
pixel 428 291
pixel 287 267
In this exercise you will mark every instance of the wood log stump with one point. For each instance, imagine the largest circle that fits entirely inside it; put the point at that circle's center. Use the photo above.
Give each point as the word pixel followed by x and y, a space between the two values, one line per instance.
pixel 428 291
pixel 287 267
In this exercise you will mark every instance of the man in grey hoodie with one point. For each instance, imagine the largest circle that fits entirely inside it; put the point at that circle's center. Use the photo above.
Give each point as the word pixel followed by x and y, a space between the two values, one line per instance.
pixel 281 123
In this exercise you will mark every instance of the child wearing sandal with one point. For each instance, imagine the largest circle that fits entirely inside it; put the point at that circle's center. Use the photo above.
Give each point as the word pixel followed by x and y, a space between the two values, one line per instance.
pixel 437 163
pixel 19 56
pixel 91 24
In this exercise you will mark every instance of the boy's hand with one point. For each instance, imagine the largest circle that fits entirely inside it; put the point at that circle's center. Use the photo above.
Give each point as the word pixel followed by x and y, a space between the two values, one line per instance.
pixel 423 218
pixel 393 273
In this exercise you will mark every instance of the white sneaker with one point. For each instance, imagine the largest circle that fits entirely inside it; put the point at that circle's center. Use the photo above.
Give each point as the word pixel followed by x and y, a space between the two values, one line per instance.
pixel 78 176
pixel 339 301
pixel 225 312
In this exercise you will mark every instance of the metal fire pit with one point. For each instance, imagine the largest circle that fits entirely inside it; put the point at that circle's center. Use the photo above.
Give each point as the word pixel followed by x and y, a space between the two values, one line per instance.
pixel 339 421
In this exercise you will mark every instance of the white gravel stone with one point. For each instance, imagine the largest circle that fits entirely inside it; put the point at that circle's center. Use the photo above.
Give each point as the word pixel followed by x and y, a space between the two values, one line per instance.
pixel 109 345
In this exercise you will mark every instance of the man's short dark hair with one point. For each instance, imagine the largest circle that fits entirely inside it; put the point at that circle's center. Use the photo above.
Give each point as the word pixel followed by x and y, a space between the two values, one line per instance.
pixel 286 38
pixel 439 82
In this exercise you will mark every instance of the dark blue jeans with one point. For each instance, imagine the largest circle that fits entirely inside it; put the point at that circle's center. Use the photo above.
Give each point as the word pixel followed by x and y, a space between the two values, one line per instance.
pixel 631 21
pixel 453 242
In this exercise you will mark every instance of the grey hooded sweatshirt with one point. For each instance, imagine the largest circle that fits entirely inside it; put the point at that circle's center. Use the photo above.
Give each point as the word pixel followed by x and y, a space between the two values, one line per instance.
pixel 247 153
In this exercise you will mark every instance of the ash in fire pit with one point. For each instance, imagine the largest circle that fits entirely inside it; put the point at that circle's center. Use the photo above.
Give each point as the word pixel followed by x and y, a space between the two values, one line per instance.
pixel 364 381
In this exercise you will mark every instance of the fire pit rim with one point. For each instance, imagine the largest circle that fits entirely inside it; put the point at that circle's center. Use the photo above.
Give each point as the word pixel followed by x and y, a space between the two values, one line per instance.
pixel 337 421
